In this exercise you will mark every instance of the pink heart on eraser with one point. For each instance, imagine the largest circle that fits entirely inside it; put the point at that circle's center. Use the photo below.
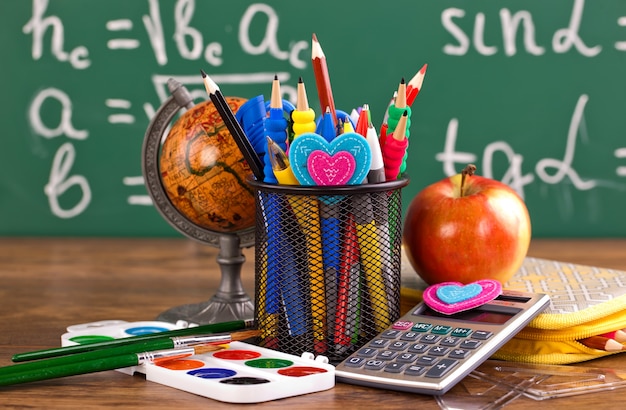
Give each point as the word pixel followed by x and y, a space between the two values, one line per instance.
pixel 328 169
pixel 451 291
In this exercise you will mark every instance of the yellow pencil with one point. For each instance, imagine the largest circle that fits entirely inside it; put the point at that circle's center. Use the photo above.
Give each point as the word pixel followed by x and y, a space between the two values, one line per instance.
pixel 371 260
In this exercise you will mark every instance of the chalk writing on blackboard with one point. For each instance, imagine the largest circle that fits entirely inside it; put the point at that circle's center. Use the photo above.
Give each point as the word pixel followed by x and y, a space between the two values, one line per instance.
pixel 563 40
pixel 189 43
pixel 165 33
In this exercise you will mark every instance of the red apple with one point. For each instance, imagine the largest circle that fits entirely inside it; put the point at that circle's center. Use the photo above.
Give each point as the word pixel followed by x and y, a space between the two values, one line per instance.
pixel 465 228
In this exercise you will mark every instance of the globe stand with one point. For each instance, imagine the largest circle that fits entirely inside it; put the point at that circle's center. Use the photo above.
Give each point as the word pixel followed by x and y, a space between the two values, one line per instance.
pixel 230 302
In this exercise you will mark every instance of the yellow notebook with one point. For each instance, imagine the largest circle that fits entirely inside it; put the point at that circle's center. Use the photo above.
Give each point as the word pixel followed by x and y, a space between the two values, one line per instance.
pixel 585 301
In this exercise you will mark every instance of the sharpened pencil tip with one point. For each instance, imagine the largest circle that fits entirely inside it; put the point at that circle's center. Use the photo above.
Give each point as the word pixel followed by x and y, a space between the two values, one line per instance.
pixel 405 113
pixel 275 77
pixel 300 79
pixel 402 81
pixel 315 38
pixel 203 73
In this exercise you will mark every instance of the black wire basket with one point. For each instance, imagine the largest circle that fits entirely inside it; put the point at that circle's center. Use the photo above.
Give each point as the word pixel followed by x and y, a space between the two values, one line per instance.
pixel 327 262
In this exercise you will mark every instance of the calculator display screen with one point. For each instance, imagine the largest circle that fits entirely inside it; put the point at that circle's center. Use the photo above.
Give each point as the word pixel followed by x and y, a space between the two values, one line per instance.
pixel 474 315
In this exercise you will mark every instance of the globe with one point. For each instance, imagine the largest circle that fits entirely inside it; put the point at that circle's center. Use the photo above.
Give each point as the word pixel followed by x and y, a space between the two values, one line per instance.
pixel 204 173
pixel 197 179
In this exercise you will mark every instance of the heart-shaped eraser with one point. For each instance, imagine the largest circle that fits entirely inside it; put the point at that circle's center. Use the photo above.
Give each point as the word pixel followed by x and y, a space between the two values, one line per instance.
pixel 321 152
pixel 452 297
pixel 454 293
pixel 328 169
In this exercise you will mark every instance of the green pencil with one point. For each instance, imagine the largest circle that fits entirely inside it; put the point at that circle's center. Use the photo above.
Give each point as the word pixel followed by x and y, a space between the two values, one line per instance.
pixel 202 329
pixel 98 365
pixel 143 346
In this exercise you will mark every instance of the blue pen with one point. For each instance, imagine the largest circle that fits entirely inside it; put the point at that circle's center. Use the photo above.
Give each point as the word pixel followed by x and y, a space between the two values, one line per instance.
pixel 291 277
pixel 330 227
pixel 326 127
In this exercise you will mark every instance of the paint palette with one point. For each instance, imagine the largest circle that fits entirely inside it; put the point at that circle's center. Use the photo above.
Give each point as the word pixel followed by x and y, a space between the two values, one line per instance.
pixel 240 373
pixel 244 373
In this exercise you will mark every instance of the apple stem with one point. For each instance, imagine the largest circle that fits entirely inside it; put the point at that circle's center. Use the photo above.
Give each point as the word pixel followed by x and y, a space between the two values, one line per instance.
pixel 468 171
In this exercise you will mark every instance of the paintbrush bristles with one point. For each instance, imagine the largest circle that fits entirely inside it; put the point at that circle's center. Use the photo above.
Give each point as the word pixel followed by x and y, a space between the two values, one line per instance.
pixel 209 348
pixel 235 337
pixel 246 334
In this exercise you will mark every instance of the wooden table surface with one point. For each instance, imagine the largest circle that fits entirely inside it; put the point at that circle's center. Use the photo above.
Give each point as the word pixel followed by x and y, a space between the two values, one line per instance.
pixel 50 283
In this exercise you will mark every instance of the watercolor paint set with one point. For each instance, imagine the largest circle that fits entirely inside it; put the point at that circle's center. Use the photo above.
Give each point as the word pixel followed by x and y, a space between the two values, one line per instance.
pixel 239 373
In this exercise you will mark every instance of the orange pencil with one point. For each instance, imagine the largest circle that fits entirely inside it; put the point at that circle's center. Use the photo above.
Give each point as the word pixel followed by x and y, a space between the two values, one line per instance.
pixel 603 343
pixel 322 79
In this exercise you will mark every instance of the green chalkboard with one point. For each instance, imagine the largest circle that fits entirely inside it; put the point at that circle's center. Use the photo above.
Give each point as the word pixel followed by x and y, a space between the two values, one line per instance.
pixel 532 92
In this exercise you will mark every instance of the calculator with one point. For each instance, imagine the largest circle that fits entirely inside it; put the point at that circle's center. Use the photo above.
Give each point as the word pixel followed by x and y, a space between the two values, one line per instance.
pixel 428 352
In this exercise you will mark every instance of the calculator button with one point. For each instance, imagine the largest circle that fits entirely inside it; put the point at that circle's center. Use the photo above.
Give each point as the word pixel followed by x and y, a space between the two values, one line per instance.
pixel 367 352
pixel 427 360
pixel 379 343
pixel 482 334
pixel 386 355
pixel 398 345
pixel 390 333
pixel 402 325
pixel 422 327
pixel 441 330
pixel 418 348
pixel 373 364
pixel 450 341
pixel 406 357
pixel 459 353
pixel 354 362
pixel 430 338
pixel 394 367
pixel 410 336
pixel 461 332
pixel 470 344
pixel 440 369
pixel 414 370
pixel 438 351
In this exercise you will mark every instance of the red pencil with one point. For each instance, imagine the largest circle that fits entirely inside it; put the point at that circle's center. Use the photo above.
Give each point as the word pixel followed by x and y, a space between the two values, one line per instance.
pixel 415 85
pixel 346 313
pixel 603 343
pixel 322 79
pixel 619 335
pixel 385 126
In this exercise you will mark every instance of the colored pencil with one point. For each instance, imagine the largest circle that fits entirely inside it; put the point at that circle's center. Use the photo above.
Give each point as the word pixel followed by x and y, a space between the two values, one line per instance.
pixel 306 211
pixel 394 149
pixel 619 335
pixel 149 345
pixel 197 330
pixel 384 128
pixel 603 343
pixel 322 78
pixel 251 157
pixel 401 101
pixel 98 365
pixel 303 117
pixel 346 316
pixel 368 239
pixel 415 85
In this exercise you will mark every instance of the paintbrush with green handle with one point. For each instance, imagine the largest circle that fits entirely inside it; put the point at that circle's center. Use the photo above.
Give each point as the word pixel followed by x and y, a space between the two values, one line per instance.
pixel 114 358
pixel 197 330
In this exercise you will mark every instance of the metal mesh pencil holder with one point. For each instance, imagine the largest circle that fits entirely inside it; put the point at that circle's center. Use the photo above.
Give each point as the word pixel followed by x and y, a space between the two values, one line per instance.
pixel 327 262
